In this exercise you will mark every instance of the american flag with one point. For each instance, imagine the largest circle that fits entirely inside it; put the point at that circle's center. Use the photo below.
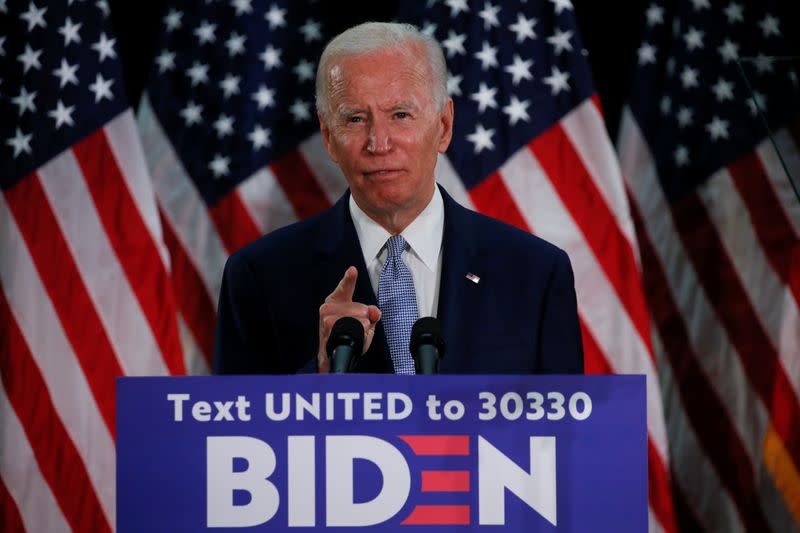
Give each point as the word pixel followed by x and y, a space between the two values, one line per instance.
pixel 85 292
pixel 718 226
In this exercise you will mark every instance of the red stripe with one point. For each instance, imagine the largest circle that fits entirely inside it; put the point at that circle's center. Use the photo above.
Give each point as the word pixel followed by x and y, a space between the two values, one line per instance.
pixel 583 200
pixel 299 184
pixel 594 360
pixel 62 280
pixel 234 224
pixel 438 444
pixel 133 244
pixel 770 222
pixel 436 515
pixel 10 519
pixel 492 198
pixel 729 299
pixel 56 455
pixel 445 481
pixel 598 105
pixel 659 489
pixel 705 411
pixel 196 306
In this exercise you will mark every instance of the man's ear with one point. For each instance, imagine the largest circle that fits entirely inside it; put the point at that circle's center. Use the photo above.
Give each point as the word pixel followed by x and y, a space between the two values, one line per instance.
pixel 446 124
pixel 326 136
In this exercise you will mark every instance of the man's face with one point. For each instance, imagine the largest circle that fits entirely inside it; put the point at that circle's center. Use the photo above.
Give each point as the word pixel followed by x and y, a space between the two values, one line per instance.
pixel 385 131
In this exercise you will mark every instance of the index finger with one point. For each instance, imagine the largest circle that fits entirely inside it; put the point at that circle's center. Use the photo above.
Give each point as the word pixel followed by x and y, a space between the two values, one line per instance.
pixel 346 287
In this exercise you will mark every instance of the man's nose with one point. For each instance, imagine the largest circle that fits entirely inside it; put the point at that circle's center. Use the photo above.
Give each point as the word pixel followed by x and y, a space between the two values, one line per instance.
pixel 380 138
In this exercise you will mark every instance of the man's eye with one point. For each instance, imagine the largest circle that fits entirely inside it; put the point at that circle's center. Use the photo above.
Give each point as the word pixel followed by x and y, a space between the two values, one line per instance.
pixel 401 114
pixel 354 120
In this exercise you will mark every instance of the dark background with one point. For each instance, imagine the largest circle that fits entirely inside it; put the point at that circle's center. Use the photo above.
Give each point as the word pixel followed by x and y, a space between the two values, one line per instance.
pixel 610 29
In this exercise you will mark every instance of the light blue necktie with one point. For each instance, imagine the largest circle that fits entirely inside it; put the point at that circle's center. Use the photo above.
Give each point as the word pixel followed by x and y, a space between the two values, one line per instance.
pixel 397 301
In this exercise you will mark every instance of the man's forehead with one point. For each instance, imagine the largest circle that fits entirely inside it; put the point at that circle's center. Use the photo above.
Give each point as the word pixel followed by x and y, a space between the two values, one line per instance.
pixel 404 60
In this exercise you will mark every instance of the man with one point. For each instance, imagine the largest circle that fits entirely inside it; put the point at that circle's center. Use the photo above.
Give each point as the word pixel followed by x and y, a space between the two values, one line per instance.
pixel 395 247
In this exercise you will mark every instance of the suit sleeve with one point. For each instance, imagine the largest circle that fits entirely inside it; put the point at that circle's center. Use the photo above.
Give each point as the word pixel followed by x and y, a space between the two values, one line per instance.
pixel 561 346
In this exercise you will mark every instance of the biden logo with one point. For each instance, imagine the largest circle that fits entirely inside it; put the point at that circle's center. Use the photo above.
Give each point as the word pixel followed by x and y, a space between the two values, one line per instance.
pixel 243 489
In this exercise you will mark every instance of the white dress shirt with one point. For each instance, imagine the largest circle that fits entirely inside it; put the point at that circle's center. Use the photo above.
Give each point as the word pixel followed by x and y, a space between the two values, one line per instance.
pixel 423 257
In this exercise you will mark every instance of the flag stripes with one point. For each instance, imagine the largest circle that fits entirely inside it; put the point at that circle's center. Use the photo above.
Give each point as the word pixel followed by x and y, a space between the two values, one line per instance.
pixel 299 184
pixel 10 519
pixel 233 223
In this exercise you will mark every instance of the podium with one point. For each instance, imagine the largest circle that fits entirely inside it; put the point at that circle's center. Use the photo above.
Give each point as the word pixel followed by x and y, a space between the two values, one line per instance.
pixel 382 452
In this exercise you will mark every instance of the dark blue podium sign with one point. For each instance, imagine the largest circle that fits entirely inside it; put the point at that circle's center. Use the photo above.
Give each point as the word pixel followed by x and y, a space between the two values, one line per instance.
pixel 384 452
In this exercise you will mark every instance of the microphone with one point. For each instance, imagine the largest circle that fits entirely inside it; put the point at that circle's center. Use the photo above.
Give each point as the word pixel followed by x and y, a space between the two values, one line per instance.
pixel 345 341
pixel 427 345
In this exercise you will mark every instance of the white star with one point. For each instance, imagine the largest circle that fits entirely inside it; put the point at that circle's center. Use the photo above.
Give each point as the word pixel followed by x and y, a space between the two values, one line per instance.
pixel 665 105
pixel 300 110
pixel 684 117
pixel 701 4
pixel 205 32
pixel 70 32
pixel 192 113
pixel 520 69
pixel 757 102
pixel 30 58
pixel 481 138
pixel 489 15
pixel 242 6
pixel 723 90
pixel 101 88
pixel 734 13
pixel 259 137
pixel 557 81
pixel 429 28
pixel 62 114
pixel 454 43
pixel 484 97
pixel 3 6
pixel 769 26
pixel 487 56
pixel 165 61
pixel 24 101
pixel 20 143
pixel 717 128
pixel 105 47
pixel 219 166
pixel 276 17
pixel 304 71
pixel 34 16
pixel 173 20
pixel 229 85
pixel 561 5
pixel 763 63
pixel 198 72
pixel 693 38
pixel 102 5
pixel 560 41
pixel 457 6
pixel 271 57
pixel 224 126
pixel 729 51
pixel 311 31
pixel 689 77
pixel 264 97
pixel 66 73
pixel 523 28
pixel 235 44
pixel 681 156
pixel 454 84
pixel 517 110
pixel 655 15
pixel 2 43
pixel 647 54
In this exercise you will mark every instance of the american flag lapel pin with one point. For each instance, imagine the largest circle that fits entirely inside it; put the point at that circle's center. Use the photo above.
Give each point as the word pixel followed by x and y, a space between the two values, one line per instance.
pixel 473 278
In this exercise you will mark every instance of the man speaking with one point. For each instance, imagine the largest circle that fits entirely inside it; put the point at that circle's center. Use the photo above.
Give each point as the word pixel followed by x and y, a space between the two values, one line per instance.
pixel 395 247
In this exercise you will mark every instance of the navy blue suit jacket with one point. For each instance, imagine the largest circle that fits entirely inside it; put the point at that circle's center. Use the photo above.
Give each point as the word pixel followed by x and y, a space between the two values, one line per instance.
pixel 520 318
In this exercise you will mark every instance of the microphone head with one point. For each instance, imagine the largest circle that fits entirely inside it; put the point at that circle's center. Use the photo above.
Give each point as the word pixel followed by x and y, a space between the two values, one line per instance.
pixel 427 330
pixel 347 331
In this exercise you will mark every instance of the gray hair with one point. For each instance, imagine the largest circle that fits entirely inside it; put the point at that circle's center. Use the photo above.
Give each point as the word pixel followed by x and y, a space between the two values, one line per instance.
pixel 371 36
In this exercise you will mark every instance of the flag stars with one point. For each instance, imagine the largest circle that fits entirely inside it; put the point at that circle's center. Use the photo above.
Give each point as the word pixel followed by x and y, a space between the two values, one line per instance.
pixel 699 5
pixel 485 97
pixel 198 73
pixel 304 71
pixel 172 20
pixel 429 28
pixel 517 110
pixel 734 13
pixel 235 44
pixel 717 128
pixel 205 32
pixel 34 17
pixel 101 88
pixel 70 32
pixel 264 97
pixel 259 137
pixel 24 101
pixel 769 26
pixel 757 102
pixel 487 56
pixel 242 6
pixel 271 57
pixel 693 38
pixel 729 51
pixel 105 47
pixel 165 61
pixel 276 17
pixel 723 90
pixel 229 85
pixel 763 63
pixel 66 74
pixel 102 5
pixel 489 15
pixel 561 5
pixel 560 41
pixel 192 113
pixel 689 77
pixel 20 143
pixel 557 81
pixel 311 30
pixel 62 114
pixel 300 110
pixel 520 69
pixel 30 59
pixel 647 54
pixel 681 156
pixel 2 44
pixel 523 28
pixel 454 44
pixel 481 138
pixel 224 126
pixel 454 84
pixel 684 117
pixel 655 15
pixel 457 6
pixel 219 166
